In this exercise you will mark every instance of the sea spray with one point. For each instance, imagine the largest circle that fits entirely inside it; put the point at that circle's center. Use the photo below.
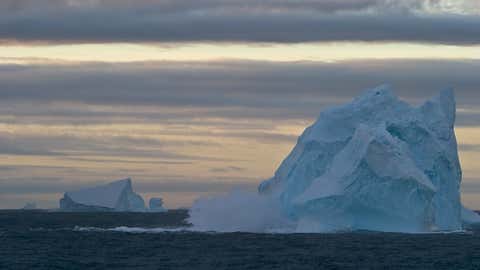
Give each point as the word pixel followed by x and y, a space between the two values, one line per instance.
pixel 238 211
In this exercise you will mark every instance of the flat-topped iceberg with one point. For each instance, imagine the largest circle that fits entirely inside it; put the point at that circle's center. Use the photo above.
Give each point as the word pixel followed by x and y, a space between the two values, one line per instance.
pixel 115 196
pixel 377 163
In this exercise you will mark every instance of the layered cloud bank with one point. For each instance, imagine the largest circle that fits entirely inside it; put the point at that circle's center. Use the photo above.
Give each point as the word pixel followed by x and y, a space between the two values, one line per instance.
pixel 240 21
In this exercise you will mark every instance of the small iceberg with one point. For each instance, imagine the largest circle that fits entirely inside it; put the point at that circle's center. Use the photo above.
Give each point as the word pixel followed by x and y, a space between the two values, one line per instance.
pixel 30 206
pixel 115 196
pixel 156 205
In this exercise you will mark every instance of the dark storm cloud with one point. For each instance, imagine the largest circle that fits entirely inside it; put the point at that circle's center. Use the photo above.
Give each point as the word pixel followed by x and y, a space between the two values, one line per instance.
pixel 296 90
pixel 233 21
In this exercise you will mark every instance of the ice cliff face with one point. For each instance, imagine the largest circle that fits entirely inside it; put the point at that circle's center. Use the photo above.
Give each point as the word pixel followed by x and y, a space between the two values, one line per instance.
pixel 115 196
pixel 377 164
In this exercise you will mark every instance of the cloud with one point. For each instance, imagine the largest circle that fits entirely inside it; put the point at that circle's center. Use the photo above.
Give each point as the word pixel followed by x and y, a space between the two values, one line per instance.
pixel 9 145
pixel 56 185
pixel 469 147
pixel 169 6
pixel 227 169
pixel 471 186
pixel 81 147
pixel 143 93
pixel 235 21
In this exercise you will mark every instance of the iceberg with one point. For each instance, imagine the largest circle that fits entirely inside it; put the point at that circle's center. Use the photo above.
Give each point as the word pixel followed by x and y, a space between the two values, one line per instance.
pixel 376 163
pixel 470 217
pixel 156 205
pixel 30 206
pixel 115 196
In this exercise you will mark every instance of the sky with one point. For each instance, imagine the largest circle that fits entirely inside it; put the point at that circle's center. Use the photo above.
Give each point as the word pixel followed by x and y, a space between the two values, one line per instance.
pixel 191 98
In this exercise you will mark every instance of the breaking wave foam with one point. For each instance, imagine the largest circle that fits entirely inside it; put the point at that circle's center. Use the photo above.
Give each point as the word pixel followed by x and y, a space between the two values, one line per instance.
pixel 131 229
pixel 139 230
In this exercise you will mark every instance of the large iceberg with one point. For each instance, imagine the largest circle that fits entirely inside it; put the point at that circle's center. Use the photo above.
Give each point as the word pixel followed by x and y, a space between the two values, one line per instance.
pixel 377 163
pixel 115 196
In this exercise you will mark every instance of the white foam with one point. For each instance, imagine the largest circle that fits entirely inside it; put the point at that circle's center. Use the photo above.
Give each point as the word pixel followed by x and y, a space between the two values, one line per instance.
pixel 140 230
pixel 131 229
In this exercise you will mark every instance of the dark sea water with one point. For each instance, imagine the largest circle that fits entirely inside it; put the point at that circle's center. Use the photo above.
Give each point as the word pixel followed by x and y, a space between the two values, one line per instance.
pixel 42 240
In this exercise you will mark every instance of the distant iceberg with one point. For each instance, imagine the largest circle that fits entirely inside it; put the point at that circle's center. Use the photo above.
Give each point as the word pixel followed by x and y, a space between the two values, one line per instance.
pixel 30 206
pixel 377 163
pixel 115 196
pixel 156 205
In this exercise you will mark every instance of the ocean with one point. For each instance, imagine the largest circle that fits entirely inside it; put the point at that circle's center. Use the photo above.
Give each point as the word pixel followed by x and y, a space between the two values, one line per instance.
pixel 55 240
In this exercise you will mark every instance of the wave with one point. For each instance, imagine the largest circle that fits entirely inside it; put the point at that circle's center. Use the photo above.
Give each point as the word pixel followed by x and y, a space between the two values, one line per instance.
pixel 140 230
pixel 131 229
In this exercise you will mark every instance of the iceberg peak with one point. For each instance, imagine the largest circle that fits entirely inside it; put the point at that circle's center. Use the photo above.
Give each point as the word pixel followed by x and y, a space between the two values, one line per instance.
pixel 377 95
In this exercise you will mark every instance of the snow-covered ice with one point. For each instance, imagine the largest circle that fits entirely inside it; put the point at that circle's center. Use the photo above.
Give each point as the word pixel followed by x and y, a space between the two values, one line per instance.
pixel 115 196
pixel 376 163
